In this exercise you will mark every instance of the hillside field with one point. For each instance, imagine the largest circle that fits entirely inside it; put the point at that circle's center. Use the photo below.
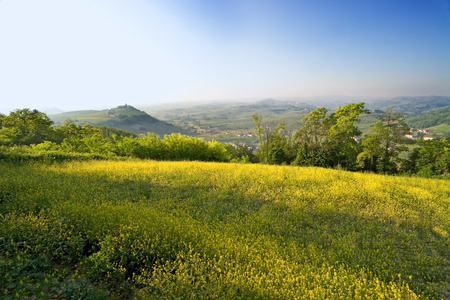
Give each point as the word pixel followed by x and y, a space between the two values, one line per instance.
pixel 193 230
pixel 229 122
pixel 441 130
pixel 124 117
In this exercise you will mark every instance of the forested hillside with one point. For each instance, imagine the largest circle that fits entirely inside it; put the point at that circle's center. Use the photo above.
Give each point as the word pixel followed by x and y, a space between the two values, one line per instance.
pixel 411 105
pixel 430 118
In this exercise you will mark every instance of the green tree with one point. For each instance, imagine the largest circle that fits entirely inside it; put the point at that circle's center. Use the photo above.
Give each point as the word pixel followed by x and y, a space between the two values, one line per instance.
pixel 275 144
pixel 342 133
pixel 280 150
pixel 263 132
pixel 368 158
pixel 433 157
pixel 2 117
pixel 311 139
pixel 385 142
pixel 327 140
pixel 25 127
pixel 315 127
pixel 69 130
pixel 83 138
pixel 241 152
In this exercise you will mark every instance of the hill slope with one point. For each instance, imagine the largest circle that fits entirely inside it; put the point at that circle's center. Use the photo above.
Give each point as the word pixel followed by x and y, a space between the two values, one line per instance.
pixel 430 118
pixel 410 105
pixel 232 121
pixel 124 117
pixel 164 230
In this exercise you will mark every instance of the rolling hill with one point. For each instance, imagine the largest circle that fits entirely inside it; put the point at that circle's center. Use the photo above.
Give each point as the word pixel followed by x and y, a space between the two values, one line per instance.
pixel 431 118
pixel 410 105
pixel 233 121
pixel 124 117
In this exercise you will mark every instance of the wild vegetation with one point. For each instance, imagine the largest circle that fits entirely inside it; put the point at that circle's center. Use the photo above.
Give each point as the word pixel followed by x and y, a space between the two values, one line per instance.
pixel 168 230
pixel 332 140
pixel 31 132
pixel 325 139
pixel 85 215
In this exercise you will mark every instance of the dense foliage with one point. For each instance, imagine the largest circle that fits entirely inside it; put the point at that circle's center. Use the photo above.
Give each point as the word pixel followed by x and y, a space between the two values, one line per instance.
pixel 25 127
pixel 192 230
pixel 33 128
pixel 431 158
pixel 325 139
pixel 431 118
pixel 332 140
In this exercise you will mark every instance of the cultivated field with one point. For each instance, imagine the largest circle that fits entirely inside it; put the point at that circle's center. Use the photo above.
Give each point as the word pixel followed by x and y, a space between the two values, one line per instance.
pixel 191 230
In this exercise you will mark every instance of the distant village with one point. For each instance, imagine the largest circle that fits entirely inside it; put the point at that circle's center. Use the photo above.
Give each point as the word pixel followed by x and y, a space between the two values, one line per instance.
pixel 415 134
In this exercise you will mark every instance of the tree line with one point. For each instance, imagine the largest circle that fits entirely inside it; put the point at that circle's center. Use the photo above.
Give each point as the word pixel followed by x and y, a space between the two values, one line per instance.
pixel 333 140
pixel 325 139
pixel 33 129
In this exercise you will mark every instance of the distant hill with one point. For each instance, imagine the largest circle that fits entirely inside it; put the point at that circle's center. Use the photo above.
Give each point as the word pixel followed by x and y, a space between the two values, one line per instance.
pixel 410 105
pixel 430 118
pixel 233 121
pixel 124 117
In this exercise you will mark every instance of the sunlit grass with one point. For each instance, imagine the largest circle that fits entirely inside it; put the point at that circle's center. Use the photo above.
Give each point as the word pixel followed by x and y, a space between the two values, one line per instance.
pixel 210 230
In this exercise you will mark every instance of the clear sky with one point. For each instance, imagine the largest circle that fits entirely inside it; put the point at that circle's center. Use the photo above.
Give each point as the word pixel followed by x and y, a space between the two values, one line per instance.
pixel 89 54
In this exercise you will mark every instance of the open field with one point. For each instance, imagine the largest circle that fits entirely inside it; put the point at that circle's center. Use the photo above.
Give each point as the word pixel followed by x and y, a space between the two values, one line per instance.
pixel 149 230
pixel 442 130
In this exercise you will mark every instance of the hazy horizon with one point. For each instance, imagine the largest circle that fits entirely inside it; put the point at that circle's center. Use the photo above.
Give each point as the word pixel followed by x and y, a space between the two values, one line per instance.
pixel 97 54
pixel 318 101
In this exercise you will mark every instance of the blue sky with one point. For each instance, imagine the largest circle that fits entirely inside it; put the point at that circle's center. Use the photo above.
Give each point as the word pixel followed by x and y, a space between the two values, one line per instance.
pixel 89 54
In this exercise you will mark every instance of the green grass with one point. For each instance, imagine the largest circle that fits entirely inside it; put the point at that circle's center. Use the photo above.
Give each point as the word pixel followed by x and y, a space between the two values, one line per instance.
pixel 92 116
pixel 442 130
pixel 366 123
pixel 168 230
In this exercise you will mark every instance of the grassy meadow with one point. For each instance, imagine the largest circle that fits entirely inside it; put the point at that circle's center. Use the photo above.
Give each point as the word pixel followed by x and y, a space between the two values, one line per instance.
pixel 194 230
pixel 441 130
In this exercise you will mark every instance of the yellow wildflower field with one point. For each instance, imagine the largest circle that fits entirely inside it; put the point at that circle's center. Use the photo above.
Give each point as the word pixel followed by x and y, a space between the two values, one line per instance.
pixel 196 230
